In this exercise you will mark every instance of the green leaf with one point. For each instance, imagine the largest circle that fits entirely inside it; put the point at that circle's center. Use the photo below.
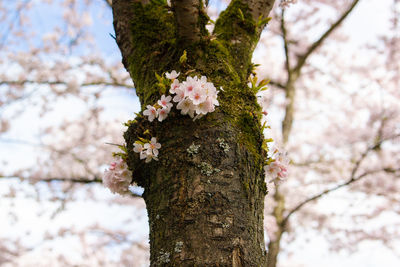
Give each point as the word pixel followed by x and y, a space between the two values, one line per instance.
pixel 129 123
pixel 183 58
pixel 144 140
pixel 123 148
pixel 261 21
pixel 139 142
pixel 159 78
pixel 163 89
pixel 264 126
pixel 241 14
pixel 263 83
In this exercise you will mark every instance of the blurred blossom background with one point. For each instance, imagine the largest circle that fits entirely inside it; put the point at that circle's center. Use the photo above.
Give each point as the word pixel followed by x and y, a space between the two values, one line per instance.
pixel 334 70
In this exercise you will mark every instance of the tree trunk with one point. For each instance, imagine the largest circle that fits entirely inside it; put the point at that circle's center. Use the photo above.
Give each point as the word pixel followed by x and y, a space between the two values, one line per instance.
pixel 205 195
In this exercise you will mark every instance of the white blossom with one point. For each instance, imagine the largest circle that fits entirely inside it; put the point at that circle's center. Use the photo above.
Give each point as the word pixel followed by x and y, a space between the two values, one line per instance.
pixel 138 147
pixel 149 151
pixel 173 75
pixel 186 106
pixel 153 146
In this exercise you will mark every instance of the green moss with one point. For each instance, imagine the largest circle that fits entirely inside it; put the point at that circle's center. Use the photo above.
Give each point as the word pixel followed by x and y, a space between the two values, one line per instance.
pixel 238 31
pixel 238 12
pixel 249 132
pixel 154 38
pixel 203 20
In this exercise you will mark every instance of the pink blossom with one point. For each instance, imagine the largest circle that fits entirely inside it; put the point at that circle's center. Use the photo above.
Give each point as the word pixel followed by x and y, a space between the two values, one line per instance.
pixel 180 94
pixel 277 170
pixel 118 178
pixel 151 112
pixel 165 102
pixel 189 85
pixel 163 113
pixel 198 95
pixel 174 86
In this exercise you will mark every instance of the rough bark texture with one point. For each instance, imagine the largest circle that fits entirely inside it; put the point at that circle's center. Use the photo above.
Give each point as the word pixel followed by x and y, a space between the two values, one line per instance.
pixel 205 195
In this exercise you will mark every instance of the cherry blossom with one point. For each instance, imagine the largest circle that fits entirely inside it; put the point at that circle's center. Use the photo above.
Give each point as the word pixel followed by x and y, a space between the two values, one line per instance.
pixel 165 102
pixel 287 3
pixel 153 146
pixel 163 114
pixel 186 106
pixel 138 147
pixel 180 94
pixel 148 155
pixel 174 86
pixel 195 96
pixel 148 151
pixel 173 75
pixel 151 112
pixel 198 95
pixel 277 169
pixel 118 178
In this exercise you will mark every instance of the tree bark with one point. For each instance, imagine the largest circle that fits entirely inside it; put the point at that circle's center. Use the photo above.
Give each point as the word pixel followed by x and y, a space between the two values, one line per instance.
pixel 205 195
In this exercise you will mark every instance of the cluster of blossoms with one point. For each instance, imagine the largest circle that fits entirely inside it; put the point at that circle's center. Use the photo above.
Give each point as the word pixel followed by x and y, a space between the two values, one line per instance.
pixel 160 110
pixel 147 151
pixel 194 97
pixel 277 168
pixel 118 178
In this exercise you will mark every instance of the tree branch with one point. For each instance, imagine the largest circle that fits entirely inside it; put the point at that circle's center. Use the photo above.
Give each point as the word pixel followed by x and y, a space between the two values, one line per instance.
pixel 260 8
pixel 77 180
pixel 146 35
pixel 238 30
pixel 327 191
pixel 186 14
pixel 241 19
pixel 285 43
pixel 302 59
pixel 277 84
pixel 353 178
pixel 23 82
